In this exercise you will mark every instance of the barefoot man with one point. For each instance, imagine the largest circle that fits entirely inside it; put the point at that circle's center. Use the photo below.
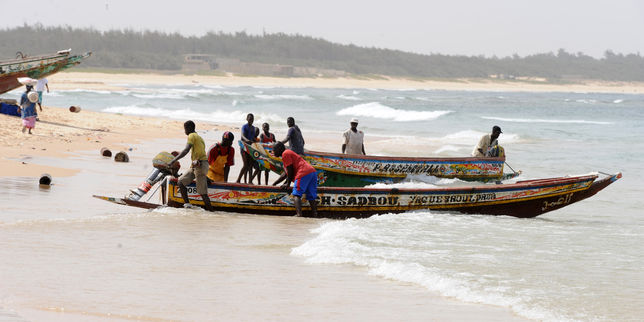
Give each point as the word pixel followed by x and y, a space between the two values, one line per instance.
pixel 303 176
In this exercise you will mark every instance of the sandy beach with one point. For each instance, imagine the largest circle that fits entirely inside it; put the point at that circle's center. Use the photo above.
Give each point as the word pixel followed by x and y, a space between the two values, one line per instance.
pixel 114 81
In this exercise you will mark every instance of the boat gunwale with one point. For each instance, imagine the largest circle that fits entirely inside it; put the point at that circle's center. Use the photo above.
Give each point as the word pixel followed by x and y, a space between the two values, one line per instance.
pixel 470 159
pixel 522 185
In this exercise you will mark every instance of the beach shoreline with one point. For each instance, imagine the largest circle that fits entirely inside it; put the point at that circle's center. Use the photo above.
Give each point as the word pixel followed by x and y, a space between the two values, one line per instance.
pixel 61 131
pixel 116 81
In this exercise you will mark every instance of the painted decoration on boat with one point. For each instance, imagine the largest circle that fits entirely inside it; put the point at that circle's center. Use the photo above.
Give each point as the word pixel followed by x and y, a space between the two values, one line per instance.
pixel 359 171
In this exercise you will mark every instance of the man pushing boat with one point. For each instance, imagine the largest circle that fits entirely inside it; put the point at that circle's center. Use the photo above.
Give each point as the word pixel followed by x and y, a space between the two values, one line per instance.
pixel 198 169
pixel 303 176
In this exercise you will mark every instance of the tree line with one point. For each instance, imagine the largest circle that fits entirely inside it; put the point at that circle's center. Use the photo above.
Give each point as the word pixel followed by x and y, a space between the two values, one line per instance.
pixel 164 51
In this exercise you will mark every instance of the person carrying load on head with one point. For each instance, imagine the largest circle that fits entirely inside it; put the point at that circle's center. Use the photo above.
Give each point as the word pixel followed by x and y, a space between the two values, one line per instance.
pixel 221 156
pixel 488 145
pixel 27 109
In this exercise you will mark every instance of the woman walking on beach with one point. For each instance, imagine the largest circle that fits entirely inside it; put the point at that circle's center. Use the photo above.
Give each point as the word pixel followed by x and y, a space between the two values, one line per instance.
pixel 28 109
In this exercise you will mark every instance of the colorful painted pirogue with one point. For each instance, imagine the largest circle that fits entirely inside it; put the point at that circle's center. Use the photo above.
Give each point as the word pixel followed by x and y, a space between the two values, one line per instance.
pixel 524 199
pixel 342 170
pixel 35 67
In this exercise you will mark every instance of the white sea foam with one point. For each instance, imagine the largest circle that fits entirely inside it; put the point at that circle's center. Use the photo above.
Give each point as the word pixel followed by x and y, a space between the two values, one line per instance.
pixel 377 110
pixel 519 120
pixel 448 148
pixel 284 97
pixel 230 117
pixel 349 98
pixel 617 101
pixel 377 243
pixel 91 91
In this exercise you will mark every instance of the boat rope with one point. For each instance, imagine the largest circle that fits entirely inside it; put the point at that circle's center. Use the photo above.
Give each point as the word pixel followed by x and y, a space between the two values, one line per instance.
pixel 153 192
pixel 510 167
pixel 604 173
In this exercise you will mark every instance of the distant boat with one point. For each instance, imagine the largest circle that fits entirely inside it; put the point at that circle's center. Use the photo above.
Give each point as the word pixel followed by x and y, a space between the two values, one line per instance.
pixel 35 67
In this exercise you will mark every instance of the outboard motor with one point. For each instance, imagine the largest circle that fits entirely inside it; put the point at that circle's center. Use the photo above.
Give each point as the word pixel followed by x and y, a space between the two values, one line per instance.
pixel 162 168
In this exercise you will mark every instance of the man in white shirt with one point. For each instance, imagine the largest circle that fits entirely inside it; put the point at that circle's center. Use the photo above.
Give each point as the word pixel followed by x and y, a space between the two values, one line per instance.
pixel 353 139
pixel 40 87
pixel 486 142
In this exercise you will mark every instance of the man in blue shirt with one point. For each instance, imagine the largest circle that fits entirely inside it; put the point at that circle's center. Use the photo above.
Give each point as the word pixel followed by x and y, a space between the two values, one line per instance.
pixel 249 136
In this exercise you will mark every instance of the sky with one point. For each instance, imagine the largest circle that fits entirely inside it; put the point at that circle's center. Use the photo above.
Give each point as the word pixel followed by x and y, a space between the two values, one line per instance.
pixel 453 27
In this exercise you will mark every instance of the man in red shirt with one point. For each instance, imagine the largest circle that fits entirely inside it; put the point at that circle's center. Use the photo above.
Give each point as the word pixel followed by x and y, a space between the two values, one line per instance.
pixel 303 176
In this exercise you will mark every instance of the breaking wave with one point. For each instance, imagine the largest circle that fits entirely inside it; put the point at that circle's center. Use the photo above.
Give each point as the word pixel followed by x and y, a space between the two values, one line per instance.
pixel 377 110
pixel 518 120
pixel 229 117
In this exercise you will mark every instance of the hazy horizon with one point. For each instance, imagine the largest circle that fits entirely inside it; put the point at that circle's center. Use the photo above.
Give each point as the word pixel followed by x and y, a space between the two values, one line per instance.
pixel 467 27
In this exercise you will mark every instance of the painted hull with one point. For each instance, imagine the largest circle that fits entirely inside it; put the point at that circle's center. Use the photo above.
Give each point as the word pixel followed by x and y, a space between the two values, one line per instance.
pixel 524 199
pixel 342 170
pixel 35 67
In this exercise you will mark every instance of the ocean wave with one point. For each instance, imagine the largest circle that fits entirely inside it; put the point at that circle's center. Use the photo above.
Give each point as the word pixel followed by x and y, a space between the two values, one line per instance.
pixel 617 101
pixel 447 148
pixel 377 110
pixel 284 97
pixel 467 138
pixel 397 247
pixel 349 98
pixel 229 117
pixel 518 120
pixel 177 93
pixel 90 91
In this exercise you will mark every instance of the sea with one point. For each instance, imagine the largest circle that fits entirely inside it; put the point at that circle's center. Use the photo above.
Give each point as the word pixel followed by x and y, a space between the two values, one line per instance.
pixel 67 253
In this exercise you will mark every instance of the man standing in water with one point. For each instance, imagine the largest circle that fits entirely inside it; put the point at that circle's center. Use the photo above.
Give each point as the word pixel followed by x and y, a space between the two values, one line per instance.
pixel 198 169
pixel 249 136
pixel 303 176
pixel 294 137
pixel 353 139
pixel 486 142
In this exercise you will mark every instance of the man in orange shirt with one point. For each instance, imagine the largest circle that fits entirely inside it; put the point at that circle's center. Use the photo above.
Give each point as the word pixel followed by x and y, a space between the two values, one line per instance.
pixel 221 157
pixel 303 176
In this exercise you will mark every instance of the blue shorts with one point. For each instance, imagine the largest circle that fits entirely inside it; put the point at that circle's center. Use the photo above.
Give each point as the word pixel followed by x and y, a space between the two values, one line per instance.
pixel 308 185
pixel 40 97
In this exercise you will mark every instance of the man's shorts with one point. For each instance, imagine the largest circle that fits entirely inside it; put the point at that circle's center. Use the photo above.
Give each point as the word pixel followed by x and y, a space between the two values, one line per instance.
pixel 308 185
pixel 40 97
pixel 198 174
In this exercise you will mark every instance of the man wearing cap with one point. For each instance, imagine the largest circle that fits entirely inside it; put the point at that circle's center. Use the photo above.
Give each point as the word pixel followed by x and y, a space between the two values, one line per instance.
pixel 487 141
pixel 353 139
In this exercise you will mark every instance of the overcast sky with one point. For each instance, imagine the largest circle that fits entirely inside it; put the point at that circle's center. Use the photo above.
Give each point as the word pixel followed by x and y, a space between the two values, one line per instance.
pixel 455 27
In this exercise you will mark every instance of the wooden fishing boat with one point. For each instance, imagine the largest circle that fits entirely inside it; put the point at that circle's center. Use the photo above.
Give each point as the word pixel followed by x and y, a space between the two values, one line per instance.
pixel 524 199
pixel 342 170
pixel 35 67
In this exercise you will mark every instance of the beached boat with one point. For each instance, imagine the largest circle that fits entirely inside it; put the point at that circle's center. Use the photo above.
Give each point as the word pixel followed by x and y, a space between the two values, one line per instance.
pixel 35 67
pixel 524 199
pixel 342 170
